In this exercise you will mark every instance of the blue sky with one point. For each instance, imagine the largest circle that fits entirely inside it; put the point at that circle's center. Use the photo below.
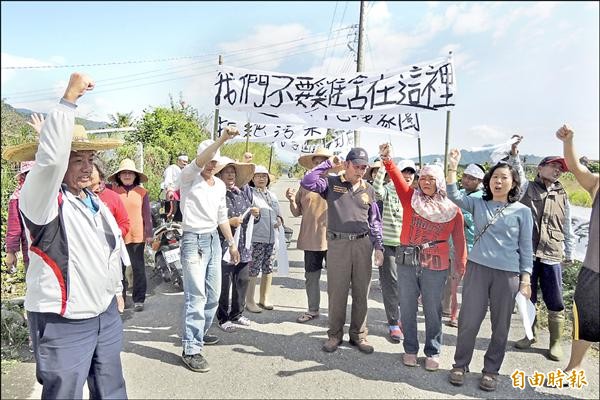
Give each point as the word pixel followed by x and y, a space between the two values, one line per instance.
pixel 521 67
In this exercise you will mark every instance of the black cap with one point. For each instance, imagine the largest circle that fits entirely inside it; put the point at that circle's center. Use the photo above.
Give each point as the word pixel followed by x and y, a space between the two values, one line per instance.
pixel 358 156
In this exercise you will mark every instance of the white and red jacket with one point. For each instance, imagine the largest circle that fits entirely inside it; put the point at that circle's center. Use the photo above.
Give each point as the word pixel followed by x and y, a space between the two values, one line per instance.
pixel 75 255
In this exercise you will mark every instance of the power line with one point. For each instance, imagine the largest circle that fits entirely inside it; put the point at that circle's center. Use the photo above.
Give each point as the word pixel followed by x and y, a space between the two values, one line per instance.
pixel 166 71
pixel 208 71
pixel 159 59
pixel 337 36
pixel 328 37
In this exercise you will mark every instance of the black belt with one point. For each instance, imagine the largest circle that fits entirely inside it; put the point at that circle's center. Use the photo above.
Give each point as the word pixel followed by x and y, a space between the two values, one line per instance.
pixel 348 236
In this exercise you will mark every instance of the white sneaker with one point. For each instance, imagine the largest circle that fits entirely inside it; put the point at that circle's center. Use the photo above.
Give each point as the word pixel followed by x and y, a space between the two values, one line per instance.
pixel 242 321
pixel 227 326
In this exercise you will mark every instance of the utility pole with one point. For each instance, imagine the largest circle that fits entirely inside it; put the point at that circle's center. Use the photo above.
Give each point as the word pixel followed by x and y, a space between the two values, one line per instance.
pixel 360 54
pixel 216 126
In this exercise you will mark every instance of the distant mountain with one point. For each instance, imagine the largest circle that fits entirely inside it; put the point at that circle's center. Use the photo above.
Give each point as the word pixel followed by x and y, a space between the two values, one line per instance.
pixel 88 124
pixel 479 157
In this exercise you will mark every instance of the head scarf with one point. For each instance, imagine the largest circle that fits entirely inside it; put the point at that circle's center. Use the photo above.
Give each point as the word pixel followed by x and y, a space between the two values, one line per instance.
pixel 437 208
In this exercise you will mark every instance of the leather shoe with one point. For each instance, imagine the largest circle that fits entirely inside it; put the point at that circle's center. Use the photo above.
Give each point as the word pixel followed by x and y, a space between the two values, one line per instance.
pixel 331 345
pixel 363 345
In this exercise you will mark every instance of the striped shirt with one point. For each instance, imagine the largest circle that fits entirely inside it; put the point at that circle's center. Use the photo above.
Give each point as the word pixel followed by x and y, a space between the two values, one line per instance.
pixel 392 209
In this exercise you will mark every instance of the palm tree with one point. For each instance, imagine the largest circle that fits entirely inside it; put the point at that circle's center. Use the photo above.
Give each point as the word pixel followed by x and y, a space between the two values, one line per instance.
pixel 120 120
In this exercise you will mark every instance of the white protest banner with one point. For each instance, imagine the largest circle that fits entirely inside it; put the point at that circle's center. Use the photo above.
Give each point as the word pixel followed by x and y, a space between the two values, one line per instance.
pixel 407 123
pixel 340 144
pixel 425 86
pixel 267 133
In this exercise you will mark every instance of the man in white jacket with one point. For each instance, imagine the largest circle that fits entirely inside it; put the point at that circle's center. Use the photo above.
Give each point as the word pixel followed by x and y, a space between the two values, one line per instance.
pixel 204 209
pixel 74 277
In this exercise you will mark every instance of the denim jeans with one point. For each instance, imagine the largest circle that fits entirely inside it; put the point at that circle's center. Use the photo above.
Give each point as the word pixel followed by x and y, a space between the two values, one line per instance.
pixel 201 262
pixel 430 283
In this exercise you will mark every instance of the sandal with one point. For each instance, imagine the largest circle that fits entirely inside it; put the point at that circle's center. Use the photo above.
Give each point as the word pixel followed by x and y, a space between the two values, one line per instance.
pixel 457 376
pixel 488 383
pixel 452 323
pixel 305 317
pixel 227 326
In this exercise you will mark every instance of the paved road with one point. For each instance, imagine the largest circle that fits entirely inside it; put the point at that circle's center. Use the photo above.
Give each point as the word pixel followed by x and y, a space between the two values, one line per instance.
pixel 279 358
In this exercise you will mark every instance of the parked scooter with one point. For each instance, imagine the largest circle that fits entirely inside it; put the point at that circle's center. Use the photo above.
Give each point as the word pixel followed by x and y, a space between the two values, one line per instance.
pixel 167 260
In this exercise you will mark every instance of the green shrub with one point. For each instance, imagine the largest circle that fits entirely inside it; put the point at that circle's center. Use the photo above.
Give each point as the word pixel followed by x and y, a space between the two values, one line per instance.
pixel 580 198
pixel 15 334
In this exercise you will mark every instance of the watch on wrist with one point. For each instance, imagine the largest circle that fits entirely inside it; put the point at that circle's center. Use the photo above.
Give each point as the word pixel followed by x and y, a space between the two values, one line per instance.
pixel 230 243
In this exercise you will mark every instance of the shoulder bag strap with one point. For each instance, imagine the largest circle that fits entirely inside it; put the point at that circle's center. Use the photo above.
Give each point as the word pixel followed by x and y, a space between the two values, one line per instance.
pixel 490 222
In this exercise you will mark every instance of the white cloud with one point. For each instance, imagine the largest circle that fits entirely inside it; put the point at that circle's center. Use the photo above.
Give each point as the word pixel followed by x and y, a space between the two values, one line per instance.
pixel 269 57
pixel 473 20
pixel 487 132
pixel 10 60
pixel 530 16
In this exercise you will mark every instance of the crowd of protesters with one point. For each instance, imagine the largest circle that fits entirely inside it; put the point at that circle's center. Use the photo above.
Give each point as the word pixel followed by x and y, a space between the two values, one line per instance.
pixel 498 234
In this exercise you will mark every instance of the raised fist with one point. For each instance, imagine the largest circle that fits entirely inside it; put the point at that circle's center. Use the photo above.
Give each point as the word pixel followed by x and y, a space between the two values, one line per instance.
pixel 336 160
pixel 453 158
pixel 565 133
pixel 385 151
pixel 79 83
pixel 229 132
pixel 290 194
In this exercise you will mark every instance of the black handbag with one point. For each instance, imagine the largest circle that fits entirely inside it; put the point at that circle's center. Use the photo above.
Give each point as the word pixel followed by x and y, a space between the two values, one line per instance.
pixel 411 255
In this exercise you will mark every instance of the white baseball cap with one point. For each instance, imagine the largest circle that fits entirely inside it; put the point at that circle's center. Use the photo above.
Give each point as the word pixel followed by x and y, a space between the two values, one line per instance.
pixel 403 164
pixel 203 145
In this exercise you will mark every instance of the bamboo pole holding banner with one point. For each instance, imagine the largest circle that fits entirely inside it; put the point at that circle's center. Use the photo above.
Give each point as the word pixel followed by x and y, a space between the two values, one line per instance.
pixel 446 145
pixel 248 129
pixel 271 157
pixel 419 144
pixel 447 132
pixel 216 125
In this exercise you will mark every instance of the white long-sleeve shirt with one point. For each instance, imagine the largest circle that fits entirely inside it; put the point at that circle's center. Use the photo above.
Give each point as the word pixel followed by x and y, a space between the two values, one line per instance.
pixel 75 254
pixel 203 206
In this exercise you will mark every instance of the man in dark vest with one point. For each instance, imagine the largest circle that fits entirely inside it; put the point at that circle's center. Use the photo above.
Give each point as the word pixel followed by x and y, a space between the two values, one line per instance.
pixel 353 232
pixel 552 243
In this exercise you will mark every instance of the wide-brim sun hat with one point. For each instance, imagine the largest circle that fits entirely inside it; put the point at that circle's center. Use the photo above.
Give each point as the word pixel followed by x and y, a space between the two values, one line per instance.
pixel 243 171
pixel 374 165
pixel 80 142
pixel 306 160
pixel 128 164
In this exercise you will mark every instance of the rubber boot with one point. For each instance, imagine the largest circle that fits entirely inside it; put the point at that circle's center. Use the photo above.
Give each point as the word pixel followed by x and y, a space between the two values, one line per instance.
pixel 556 323
pixel 265 288
pixel 526 343
pixel 250 304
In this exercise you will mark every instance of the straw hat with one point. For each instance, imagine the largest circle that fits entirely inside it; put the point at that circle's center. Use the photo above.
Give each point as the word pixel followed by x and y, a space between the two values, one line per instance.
pixel 374 165
pixel 243 171
pixel 81 142
pixel 306 160
pixel 127 164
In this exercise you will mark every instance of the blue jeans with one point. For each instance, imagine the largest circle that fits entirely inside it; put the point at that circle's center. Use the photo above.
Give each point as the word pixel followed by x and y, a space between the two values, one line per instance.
pixel 201 262
pixel 429 283
pixel 549 278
